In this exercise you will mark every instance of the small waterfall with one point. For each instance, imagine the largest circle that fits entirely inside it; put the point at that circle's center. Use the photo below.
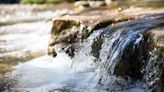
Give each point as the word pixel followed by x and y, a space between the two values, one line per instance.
pixel 116 58
pixel 120 50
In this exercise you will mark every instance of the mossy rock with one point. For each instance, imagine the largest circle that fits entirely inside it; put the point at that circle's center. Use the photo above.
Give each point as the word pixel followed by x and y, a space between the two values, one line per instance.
pixel 162 77
pixel 160 60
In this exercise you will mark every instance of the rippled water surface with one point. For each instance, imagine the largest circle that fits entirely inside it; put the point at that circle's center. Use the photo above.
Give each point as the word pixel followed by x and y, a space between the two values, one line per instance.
pixel 24 35
pixel 25 65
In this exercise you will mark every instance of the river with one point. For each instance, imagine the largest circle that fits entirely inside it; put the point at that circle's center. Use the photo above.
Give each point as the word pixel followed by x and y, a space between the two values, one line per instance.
pixel 26 67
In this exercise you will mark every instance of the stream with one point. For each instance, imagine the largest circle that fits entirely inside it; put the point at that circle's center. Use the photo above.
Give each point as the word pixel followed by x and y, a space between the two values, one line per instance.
pixel 26 67
pixel 21 42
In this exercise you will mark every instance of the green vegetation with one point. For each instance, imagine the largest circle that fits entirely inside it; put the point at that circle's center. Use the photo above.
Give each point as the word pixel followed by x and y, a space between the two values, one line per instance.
pixel 40 1
pixel 25 1
pixel 54 1
pixel 37 1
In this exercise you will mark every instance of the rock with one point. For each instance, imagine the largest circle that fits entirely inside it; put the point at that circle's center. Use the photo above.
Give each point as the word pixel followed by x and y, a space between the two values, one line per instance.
pixel 63 31
pixel 158 86
pixel 132 61
pixel 146 62
pixel 162 77
pixel 71 30
pixel 68 32
pixel 159 39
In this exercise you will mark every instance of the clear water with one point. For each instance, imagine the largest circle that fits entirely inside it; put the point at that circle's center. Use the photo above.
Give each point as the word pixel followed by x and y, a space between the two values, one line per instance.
pixel 80 74
pixel 41 73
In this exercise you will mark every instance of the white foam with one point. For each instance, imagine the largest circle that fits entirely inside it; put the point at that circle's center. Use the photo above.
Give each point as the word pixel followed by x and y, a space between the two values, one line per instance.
pixel 44 70
pixel 47 73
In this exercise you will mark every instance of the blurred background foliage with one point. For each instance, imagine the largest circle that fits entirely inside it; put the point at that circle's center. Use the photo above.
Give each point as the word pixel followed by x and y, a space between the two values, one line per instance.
pixel 58 1
pixel 31 1
pixel 40 1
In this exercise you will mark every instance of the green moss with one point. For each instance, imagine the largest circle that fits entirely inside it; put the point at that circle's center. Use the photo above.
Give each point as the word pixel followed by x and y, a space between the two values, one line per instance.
pixel 160 53
pixel 160 59
pixel 161 49
pixel 25 1
pixel 40 1
pixel 54 1
pixel 162 76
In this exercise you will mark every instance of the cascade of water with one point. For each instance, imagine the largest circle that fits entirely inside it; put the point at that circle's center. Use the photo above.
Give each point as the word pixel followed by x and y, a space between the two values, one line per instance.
pixel 96 62
pixel 106 48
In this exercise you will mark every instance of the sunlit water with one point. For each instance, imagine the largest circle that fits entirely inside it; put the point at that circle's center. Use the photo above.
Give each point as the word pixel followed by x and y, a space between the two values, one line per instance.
pixel 47 74
pixel 28 42
pixel 82 74
pixel 24 38
pixel 25 41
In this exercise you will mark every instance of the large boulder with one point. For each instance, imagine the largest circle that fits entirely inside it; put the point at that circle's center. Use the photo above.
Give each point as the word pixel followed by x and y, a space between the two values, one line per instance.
pixel 70 30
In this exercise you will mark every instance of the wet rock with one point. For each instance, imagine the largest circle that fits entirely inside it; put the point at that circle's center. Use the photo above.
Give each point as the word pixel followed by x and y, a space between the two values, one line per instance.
pixel 133 60
pixel 70 30
pixel 73 29
pixel 64 32
pixel 162 77
pixel 139 56
pixel 127 48
pixel 158 86
pixel 159 39
pixel 96 47
pixel 146 62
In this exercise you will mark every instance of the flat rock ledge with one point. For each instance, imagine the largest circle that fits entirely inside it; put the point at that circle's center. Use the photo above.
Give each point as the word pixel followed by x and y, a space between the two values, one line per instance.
pixel 69 31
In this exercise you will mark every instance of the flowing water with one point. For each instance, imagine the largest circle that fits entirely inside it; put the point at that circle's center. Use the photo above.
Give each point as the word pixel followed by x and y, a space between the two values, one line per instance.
pixel 22 41
pixel 93 67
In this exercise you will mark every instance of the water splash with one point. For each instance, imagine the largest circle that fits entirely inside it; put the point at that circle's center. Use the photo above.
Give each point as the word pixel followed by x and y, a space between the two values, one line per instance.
pixel 93 67
pixel 104 49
